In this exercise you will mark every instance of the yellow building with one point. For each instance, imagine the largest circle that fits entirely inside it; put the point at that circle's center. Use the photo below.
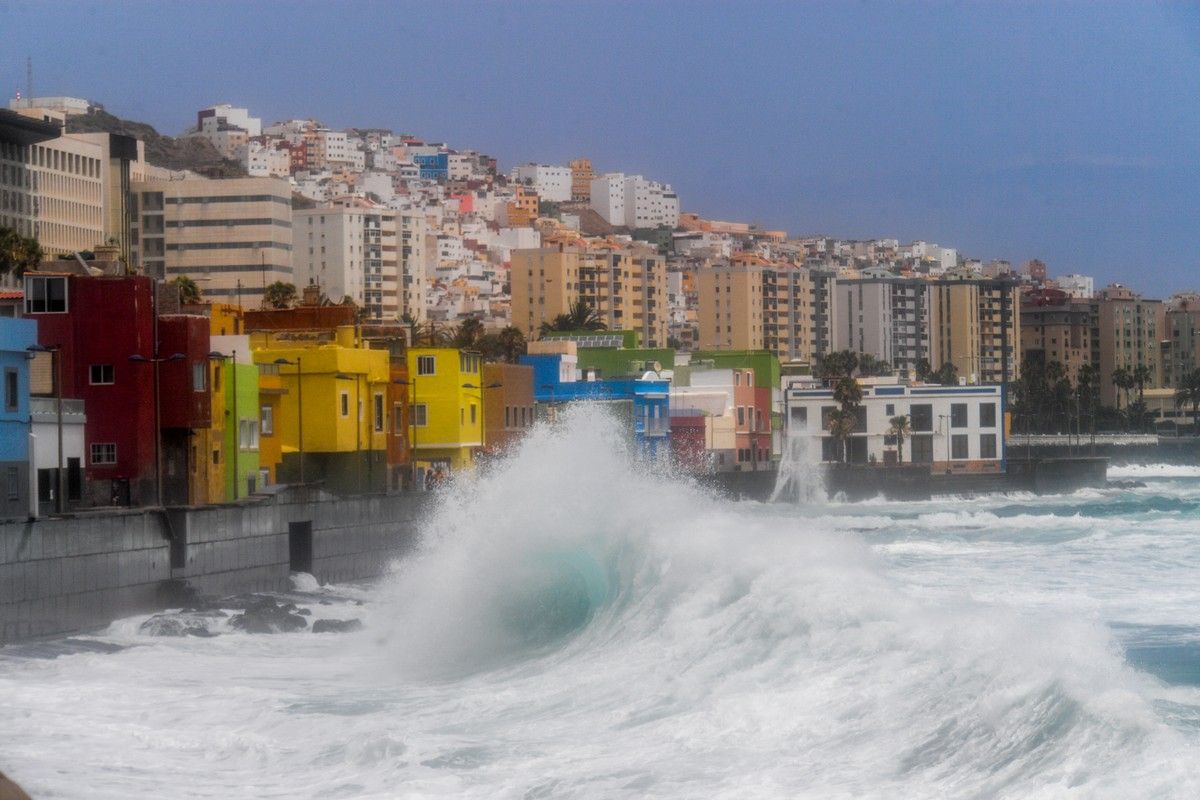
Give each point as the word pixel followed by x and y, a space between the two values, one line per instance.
pixel 270 439
pixel 330 420
pixel 750 303
pixel 446 404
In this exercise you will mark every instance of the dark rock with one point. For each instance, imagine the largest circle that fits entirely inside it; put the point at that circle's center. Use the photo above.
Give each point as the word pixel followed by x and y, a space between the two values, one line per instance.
pixel 176 625
pixel 336 625
pixel 10 791
pixel 266 615
pixel 1115 484
pixel 304 612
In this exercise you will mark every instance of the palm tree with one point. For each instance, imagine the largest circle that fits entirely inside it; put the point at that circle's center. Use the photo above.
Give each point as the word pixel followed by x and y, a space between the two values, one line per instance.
pixel 189 292
pixel 18 253
pixel 280 295
pixel 579 317
pixel 512 344
pixel 1123 380
pixel 847 393
pixel 900 428
pixel 841 427
pixel 468 334
pixel 1188 393
pixel 831 367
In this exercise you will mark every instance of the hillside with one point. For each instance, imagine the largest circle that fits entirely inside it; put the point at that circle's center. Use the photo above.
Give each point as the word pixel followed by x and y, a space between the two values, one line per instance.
pixel 161 151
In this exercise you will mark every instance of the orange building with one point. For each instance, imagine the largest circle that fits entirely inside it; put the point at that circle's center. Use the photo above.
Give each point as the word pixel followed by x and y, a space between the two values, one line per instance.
pixel 508 405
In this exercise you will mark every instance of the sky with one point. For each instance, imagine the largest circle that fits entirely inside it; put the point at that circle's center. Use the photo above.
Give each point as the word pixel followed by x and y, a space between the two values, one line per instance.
pixel 1065 132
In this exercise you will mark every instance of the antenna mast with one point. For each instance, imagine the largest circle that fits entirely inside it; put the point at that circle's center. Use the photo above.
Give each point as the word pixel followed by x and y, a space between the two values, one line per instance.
pixel 29 77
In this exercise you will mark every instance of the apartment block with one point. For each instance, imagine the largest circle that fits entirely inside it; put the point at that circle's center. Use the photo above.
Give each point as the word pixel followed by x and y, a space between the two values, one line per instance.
pixel 551 183
pixel 634 202
pixel 233 237
pixel 625 283
pixel 1130 330
pixel 1181 341
pixel 1057 327
pixel 581 180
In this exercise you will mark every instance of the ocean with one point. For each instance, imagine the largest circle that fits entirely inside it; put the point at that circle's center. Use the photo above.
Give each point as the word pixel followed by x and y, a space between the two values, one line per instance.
pixel 576 626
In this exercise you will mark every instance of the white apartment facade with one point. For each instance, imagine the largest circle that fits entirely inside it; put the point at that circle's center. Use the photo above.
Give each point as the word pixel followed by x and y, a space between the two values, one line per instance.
pixel 551 183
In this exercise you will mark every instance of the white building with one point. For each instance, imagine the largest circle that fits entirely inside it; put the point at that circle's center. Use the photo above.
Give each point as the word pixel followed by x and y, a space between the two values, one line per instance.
pixel 225 114
pixel 264 161
pixel 1081 286
pixel 953 428
pixel 328 250
pixel 551 183
pixel 634 202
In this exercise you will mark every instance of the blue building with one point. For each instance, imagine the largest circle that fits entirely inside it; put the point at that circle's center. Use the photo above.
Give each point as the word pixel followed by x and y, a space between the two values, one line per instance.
pixel 555 381
pixel 434 167
pixel 16 337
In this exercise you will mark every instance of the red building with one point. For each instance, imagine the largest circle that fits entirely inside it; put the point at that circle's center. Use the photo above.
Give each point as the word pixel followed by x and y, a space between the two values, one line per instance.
pixel 96 323
pixel 185 403
pixel 689 434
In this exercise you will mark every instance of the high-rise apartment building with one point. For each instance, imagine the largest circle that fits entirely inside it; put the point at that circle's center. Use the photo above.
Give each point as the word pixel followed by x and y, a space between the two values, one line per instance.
pixel 634 202
pixel 581 180
pixel 624 282
pixel 1130 331
pixel 1059 328
pixel 551 183
pixel 1181 339
pixel 974 325
pixel 234 237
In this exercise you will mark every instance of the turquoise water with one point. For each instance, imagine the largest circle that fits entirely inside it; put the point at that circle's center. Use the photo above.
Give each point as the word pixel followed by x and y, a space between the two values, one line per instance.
pixel 575 626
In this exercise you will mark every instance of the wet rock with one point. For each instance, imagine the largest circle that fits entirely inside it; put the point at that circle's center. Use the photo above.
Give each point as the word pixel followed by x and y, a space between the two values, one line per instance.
pixel 266 615
pixel 1115 484
pixel 10 791
pixel 336 625
pixel 304 612
pixel 176 625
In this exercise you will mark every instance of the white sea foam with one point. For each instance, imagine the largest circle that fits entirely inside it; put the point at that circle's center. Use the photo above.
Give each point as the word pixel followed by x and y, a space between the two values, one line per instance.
pixel 1145 471
pixel 572 627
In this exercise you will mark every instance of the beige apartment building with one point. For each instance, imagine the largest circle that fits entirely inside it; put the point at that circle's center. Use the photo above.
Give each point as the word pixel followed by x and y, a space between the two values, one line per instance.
pixel 750 303
pixel 1130 330
pixel 233 237
pixel 1059 328
pixel 68 191
pixel 975 325
pixel 1181 342
pixel 624 282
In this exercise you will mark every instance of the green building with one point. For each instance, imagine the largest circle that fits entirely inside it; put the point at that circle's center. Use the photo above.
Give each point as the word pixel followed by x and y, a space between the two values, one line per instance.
pixel 241 417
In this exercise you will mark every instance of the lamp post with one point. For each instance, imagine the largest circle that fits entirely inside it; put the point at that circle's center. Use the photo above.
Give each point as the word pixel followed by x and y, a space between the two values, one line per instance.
pixel 946 432
pixel 237 421
pixel 299 409
pixel 412 455
pixel 55 352
pixel 341 376
pixel 482 428
pixel 140 359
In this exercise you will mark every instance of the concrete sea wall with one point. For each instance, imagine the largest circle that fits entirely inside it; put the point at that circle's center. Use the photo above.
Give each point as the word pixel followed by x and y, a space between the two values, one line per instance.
pixel 70 574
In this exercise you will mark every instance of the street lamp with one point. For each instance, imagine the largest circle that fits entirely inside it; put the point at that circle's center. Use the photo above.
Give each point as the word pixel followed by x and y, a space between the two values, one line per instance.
pixel 140 359
pixel 341 376
pixel 299 409
pixel 237 422
pixel 55 352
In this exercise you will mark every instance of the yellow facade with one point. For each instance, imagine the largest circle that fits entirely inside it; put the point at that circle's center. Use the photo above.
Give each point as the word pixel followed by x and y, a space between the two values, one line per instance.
pixel 270 400
pixel 343 387
pixel 447 414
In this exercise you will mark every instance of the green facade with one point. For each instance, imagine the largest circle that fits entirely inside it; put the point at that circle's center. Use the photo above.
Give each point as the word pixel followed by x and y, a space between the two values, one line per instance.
pixel 765 364
pixel 242 407
pixel 624 362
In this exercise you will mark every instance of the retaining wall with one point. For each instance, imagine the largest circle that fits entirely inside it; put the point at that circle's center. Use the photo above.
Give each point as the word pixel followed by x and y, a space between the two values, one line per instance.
pixel 72 574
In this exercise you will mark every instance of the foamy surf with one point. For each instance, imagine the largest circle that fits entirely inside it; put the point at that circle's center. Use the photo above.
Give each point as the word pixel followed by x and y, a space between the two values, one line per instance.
pixel 574 625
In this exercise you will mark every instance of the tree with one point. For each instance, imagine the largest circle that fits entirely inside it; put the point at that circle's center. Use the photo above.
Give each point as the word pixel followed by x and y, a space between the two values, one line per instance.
pixel 870 366
pixel 468 334
pixel 833 366
pixel 923 370
pixel 847 393
pixel 189 292
pixel 900 429
pixel 18 253
pixel 841 427
pixel 1188 393
pixel 579 317
pixel 512 344
pixel 280 295
pixel 1123 380
pixel 946 375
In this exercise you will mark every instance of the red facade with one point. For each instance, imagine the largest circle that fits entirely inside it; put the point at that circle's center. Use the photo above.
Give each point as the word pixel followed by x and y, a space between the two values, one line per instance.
pixel 104 321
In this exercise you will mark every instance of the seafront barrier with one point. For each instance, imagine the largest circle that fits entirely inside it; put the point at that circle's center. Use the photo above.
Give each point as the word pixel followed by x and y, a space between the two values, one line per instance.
pixel 71 574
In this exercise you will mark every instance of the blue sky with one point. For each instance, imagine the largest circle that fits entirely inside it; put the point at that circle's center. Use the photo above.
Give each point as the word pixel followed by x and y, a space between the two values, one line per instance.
pixel 1064 132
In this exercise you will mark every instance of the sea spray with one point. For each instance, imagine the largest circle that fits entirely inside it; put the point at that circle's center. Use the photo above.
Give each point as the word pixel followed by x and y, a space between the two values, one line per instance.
pixel 576 626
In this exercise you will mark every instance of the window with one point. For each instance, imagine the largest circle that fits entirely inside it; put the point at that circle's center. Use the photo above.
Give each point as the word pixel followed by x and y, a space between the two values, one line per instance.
pixel 472 413
pixel 890 409
pixel 345 396
pixel 217 378
pixel 378 408
pixel 921 418
pixel 14 484
pixel 216 455
pixel 104 454
pixel 987 445
pixel 419 415
pixel 922 450
pixel 397 419
pixel 987 415
pixel 426 365
pixel 199 376
pixel 268 421
pixel 101 374
pixel 248 434
pixel 741 416
pixel 45 295
pixel 10 389
pixel 959 446
pixel 508 416
pixel 958 415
